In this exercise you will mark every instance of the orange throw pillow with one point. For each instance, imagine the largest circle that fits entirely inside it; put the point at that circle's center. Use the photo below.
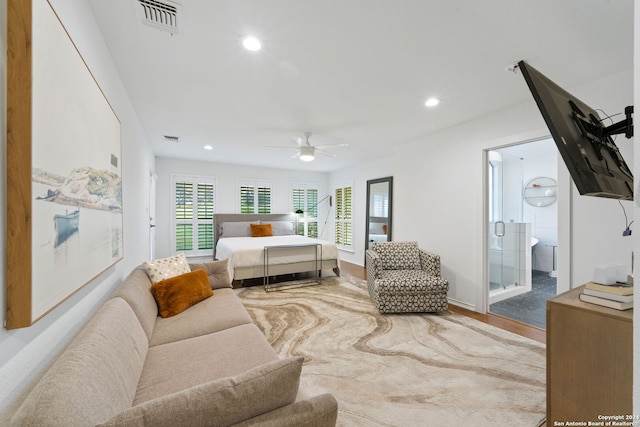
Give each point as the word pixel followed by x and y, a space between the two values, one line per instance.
pixel 261 230
pixel 176 294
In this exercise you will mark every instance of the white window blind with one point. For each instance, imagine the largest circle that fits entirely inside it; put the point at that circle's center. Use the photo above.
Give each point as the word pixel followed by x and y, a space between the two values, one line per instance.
pixel 343 216
pixel 193 214
pixel 305 199
pixel 255 197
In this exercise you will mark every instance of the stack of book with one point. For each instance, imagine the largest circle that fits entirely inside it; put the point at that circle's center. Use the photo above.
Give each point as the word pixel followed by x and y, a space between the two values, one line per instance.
pixel 619 297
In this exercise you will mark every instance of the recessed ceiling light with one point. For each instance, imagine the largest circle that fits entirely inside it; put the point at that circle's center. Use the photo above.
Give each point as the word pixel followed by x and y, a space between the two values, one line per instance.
pixel 208 147
pixel 432 102
pixel 251 43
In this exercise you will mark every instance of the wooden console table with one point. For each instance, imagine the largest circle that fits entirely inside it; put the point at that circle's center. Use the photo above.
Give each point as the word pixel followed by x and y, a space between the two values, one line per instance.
pixel 589 360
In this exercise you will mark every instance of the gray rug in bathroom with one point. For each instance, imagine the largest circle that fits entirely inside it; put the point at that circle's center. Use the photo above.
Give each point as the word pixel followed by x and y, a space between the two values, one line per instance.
pixel 402 370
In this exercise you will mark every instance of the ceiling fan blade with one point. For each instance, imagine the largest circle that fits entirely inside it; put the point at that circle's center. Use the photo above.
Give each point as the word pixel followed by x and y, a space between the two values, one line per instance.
pixel 295 156
pixel 332 145
pixel 326 153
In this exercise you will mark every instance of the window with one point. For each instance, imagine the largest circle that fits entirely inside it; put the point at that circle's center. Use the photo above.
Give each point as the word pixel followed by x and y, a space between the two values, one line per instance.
pixel 255 197
pixel 379 205
pixel 193 214
pixel 344 226
pixel 305 199
pixel 494 185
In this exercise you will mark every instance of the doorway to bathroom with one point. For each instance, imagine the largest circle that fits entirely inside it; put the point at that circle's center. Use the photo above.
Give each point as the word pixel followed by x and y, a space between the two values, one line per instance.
pixel 522 231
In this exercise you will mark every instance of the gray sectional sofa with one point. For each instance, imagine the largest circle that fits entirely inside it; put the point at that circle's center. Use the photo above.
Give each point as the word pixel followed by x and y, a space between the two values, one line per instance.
pixel 207 366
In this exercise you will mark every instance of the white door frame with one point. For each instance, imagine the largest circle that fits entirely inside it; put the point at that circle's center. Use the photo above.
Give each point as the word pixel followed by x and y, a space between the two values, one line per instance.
pixel 565 194
pixel 153 179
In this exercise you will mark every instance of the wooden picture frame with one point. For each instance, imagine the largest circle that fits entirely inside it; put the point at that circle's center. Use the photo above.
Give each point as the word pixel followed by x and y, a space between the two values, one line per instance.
pixel 64 174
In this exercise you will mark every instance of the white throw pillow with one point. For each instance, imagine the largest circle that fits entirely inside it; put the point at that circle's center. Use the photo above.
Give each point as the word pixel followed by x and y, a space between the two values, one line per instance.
pixel 166 268
pixel 237 229
pixel 281 228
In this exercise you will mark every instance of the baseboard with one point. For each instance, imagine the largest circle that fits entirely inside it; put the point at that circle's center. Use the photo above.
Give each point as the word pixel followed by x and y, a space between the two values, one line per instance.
pixel 461 304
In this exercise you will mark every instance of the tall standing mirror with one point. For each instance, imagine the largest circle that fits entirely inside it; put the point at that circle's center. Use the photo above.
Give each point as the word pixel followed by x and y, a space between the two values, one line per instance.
pixel 379 208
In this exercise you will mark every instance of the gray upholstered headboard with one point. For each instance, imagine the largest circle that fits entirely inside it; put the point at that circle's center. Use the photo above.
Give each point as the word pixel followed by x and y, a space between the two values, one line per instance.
pixel 218 219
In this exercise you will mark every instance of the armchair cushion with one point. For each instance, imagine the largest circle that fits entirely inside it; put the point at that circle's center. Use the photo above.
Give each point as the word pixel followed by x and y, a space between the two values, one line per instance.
pixel 411 281
pixel 398 255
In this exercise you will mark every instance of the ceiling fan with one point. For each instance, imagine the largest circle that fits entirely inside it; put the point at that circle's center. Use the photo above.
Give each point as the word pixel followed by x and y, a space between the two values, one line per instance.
pixel 307 152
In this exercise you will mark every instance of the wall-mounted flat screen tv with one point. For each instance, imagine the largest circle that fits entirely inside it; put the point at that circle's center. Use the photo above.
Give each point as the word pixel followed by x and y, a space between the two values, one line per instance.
pixel 585 144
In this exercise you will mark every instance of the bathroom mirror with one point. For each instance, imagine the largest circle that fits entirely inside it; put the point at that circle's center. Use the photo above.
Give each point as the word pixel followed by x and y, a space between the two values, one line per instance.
pixel 379 197
pixel 540 191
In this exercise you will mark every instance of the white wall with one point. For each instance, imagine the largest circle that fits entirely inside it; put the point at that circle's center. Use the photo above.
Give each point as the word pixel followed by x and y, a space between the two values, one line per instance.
pixel 226 196
pixel 543 219
pixel 445 169
pixel 359 175
pixel 439 184
pixel 24 352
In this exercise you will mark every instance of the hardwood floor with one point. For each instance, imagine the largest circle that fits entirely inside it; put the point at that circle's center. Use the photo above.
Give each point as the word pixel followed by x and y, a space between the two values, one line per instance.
pixel 519 328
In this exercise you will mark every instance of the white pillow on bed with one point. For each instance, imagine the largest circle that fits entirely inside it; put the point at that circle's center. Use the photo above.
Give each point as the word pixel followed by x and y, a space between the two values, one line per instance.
pixel 237 229
pixel 280 228
pixel 376 228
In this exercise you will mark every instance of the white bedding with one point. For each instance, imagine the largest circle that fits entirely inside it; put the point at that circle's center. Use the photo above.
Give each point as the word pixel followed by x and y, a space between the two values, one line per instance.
pixel 249 251
pixel 377 237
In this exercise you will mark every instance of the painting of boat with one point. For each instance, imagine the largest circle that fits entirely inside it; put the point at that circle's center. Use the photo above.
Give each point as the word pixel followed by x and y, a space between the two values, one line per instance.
pixel 65 225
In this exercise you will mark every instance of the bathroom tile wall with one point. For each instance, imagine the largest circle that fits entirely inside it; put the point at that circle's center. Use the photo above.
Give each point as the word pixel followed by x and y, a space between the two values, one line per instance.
pixel 542 162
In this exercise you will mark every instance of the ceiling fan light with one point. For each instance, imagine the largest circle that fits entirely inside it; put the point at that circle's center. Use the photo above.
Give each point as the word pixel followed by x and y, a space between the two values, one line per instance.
pixel 307 154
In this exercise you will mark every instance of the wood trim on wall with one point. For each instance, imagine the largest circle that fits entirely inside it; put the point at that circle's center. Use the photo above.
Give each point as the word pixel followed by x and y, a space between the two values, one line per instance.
pixel 19 91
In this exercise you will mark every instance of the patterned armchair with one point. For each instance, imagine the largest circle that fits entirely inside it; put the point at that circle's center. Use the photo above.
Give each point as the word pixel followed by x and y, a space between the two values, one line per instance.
pixel 403 278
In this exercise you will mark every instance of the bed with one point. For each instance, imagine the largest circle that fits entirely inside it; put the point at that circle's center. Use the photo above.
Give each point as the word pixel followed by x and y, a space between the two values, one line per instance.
pixel 246 254
pixel 378 230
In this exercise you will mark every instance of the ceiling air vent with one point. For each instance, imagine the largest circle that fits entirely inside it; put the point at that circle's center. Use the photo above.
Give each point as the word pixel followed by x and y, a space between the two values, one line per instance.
pixel 159 14
pixel 171 138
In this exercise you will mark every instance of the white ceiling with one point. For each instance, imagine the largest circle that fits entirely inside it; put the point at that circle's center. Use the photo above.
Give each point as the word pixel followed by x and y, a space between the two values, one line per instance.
pixel 350 71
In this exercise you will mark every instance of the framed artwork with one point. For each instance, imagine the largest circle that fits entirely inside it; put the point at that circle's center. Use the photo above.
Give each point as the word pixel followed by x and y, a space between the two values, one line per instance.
pixel 64 174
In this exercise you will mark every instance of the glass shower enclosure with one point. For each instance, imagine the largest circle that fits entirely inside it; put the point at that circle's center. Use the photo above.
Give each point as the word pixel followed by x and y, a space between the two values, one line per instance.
pixel 508 237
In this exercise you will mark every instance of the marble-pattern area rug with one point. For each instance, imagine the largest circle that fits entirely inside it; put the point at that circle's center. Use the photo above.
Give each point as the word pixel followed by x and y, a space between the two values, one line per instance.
pixel 402 370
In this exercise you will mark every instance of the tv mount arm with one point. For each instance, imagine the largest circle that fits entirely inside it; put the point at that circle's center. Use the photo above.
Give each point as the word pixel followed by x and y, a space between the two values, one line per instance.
pixel 599 135
pixel 593 129
pixel 624 126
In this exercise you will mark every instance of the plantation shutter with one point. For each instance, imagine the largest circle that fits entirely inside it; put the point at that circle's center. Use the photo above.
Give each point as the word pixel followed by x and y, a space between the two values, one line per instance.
pixel 312 216
pixel 304 197
pixel 343 217
pixel 184 216
pixel 380 205
pixel 247 203
pixel 264 200
pixel 205 216
pixel 312 202
pixel 298 196
pixel 255 197
pixel 193 214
